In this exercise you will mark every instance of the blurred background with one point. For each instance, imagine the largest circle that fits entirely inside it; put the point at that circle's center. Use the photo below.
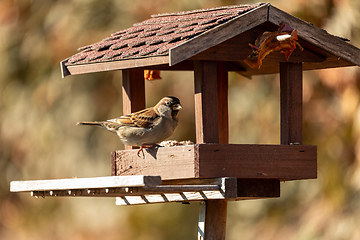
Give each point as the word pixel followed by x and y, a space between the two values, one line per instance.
pixel 39 138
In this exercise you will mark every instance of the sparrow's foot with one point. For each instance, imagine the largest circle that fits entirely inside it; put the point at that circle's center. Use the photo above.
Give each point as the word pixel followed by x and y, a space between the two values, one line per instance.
pixel 146 146
pixel 141 149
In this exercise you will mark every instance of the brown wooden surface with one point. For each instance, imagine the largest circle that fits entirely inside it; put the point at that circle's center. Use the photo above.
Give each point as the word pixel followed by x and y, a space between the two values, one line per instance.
pixel 229 187
pixel 168 162
pixel 223 106
pixel 211 102
pixel 206 102
pixel 284 162
pixel 133 91
pixel 113 163
pixel 291 95
pixel 237 48
pixel 258 188
pixel 117 65
pixel 215 219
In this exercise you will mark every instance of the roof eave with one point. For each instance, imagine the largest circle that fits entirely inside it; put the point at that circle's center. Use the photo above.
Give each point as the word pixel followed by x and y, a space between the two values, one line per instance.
pixel 112 65
pixel 323 39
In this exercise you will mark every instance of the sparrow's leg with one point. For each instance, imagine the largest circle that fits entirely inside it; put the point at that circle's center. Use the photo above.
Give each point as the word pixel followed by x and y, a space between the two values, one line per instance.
pixel 141 149
pixel 145 146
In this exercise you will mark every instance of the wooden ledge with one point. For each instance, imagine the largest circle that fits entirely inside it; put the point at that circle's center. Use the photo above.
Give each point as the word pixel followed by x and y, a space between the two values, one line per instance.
pixel 84 183
pixel 137 189
pixel 230 189
pixel 282 162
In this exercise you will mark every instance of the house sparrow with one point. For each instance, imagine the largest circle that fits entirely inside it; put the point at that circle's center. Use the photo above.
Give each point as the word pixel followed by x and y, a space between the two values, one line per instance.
pixel 146 127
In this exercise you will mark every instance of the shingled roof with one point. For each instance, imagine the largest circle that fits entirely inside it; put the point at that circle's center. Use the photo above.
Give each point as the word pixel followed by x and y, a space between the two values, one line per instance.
pixel 171 38
pixel 155 36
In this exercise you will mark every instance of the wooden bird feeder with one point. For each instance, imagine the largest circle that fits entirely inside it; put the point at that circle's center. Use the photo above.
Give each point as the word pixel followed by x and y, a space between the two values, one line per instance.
pixel 210 42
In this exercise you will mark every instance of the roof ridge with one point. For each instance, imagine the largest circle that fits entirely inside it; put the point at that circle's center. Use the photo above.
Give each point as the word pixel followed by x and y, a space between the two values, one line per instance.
pixel 207 10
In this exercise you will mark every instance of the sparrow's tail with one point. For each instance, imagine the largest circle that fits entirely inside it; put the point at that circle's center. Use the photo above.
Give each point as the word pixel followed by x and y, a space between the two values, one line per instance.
pixel 110 126
pixel 90 123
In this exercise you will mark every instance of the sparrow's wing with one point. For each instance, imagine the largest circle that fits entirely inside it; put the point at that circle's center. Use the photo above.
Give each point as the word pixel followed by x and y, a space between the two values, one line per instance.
pixel 111 126
pixel 144 118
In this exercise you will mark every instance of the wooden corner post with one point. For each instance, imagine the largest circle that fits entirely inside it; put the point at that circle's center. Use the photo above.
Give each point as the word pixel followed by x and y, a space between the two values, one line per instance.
pixel 206 102
pixel 133 91
pixel 291 95
pixel 211 118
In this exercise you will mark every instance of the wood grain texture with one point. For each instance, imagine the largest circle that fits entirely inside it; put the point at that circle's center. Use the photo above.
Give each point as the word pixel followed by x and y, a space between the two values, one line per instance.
pixel 170 163
pixel 283 162
pixel 211 117
pixel 206 102
pixel 220 34
pixel 117 65
pixel 223 106
pixel 113 163
pixel 133 91
pixel 215 219
pixel 291 94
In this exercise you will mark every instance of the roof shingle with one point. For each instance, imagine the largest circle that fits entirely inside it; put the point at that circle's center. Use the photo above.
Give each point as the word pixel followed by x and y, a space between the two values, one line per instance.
pixel 155 36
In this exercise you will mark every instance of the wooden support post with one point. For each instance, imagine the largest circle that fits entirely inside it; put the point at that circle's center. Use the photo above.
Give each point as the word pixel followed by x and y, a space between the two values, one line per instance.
pixel 216 229
pixel 291 103
pixel 210 104
pixel 133 90
pixel 223 106
pixel 206 102
pixel 215 219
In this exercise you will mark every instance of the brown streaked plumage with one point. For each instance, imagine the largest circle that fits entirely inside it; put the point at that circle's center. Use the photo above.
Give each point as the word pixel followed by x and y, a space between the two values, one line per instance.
pixel 146 127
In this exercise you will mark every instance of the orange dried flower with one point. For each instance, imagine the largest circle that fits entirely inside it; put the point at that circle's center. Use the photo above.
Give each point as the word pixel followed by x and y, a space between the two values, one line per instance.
pixel 283 40
pixel 151 75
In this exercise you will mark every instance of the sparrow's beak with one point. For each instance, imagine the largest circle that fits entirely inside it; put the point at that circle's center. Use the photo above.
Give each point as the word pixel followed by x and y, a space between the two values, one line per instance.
pixel 176 107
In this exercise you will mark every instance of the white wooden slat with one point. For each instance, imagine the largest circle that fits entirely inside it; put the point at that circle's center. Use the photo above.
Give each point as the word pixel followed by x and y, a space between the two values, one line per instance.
pixel 170 197
pixel 127 191
pixel 201 223
pixel 85 183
